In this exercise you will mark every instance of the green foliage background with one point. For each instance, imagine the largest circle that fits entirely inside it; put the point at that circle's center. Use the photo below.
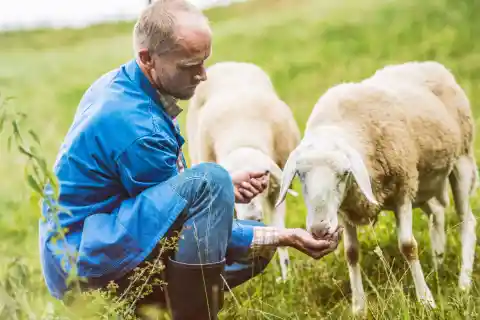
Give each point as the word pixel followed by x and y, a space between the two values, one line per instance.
pixel 306 46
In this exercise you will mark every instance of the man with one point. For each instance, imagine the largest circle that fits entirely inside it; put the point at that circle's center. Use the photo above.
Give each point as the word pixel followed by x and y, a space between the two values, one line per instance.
pixel 123 181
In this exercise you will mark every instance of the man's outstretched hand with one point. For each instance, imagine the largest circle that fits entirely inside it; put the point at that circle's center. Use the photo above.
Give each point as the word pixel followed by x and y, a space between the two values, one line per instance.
pixel 248 185
pixel 305 242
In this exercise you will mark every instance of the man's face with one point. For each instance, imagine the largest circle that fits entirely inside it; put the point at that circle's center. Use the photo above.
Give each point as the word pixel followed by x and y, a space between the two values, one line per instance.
pixel 179 71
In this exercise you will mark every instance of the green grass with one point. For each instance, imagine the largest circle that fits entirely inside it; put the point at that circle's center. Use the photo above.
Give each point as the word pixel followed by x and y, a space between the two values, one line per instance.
pixel 306 46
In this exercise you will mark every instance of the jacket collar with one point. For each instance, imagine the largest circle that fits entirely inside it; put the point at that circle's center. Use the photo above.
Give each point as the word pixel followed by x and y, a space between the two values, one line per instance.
pixel 168 103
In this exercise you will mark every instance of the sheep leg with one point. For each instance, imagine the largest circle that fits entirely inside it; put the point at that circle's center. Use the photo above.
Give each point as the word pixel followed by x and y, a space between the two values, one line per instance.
pixel 337 251
pixel 436 213
pixel 352 250
pixel 461 181
pixel 409 249
pixel 279 222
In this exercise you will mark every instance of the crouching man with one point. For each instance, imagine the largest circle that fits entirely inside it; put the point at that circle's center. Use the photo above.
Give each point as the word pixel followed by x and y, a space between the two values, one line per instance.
pixel 123 181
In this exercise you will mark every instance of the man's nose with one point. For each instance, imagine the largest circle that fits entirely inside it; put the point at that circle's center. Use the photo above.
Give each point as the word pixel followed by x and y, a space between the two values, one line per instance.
pixel 202 76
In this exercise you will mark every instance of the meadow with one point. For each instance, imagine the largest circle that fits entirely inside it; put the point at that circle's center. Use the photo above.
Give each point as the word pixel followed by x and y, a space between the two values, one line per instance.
pixel 306 47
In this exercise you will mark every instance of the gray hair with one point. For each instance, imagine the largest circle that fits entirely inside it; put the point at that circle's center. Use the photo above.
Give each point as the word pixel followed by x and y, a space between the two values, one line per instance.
pixel 155 28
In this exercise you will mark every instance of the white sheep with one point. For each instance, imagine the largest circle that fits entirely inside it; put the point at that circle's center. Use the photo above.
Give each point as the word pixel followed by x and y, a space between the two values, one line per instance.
pixel 237 120
pixel 390 142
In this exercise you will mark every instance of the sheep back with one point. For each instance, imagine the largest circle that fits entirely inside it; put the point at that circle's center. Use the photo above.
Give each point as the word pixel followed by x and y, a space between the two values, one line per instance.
pixel 405 134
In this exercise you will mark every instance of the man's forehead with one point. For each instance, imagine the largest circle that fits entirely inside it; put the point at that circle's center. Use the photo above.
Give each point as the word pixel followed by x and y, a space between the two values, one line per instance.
pixel 194 39
pixel 194 57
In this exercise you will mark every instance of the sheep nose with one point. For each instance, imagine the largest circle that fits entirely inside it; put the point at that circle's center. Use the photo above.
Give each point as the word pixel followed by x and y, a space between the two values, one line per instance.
pixel 254 218
pixel 320 229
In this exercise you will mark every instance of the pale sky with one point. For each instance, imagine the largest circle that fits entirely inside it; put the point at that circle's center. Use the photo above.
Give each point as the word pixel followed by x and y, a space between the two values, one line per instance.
pixel 58 13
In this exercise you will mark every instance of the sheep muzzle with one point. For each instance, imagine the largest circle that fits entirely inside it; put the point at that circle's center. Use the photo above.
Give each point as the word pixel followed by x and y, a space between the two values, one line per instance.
pixel 323 229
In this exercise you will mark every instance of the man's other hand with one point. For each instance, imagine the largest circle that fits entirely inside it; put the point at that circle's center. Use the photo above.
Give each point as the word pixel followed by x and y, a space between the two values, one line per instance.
pixel 305 242
pixel 248 185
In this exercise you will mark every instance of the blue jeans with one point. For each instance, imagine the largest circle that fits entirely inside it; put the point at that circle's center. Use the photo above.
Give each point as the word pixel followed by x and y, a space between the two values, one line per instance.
pixel 208 231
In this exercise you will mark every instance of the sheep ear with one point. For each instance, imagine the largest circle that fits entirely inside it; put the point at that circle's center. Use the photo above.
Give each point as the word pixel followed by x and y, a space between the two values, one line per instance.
pixel 276 171
pixel 275 178
pixel 360 172
pixel 289 172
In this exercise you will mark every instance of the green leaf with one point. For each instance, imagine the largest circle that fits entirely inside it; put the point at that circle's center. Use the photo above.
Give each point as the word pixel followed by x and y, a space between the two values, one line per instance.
pixel 43 165
pixel 34 152
pixel 3 117
pixel 9 143
pixel 36 172
pixel 7 301
pixel 8 99
pixel 21 115
pixel 28 154
pixel 34 184
pixel 33 134
pixel 16 131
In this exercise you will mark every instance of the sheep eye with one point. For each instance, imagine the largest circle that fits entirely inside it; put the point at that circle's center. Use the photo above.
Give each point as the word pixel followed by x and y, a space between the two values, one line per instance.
pixel 343 175
pixel 301 175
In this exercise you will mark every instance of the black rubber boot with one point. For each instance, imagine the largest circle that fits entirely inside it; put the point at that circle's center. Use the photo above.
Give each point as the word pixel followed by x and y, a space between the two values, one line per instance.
pixel 195 291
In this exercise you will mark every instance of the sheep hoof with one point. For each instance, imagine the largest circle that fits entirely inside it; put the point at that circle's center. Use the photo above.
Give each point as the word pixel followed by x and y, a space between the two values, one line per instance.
pixel 439 257
pixel 427 300
pixel 464 282
pixel 283 278
pixel 359 310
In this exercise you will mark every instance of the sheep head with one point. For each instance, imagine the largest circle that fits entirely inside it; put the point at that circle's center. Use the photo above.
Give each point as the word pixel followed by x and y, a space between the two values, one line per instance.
pixel 325 165
pixel 249 159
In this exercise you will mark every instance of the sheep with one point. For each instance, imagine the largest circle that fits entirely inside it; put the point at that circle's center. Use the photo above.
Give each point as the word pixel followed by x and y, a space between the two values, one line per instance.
pixel 236 119
pixel 390 142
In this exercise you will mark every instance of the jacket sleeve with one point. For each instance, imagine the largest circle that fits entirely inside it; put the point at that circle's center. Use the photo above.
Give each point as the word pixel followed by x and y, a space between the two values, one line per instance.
pixel 148 161
pixel 251 239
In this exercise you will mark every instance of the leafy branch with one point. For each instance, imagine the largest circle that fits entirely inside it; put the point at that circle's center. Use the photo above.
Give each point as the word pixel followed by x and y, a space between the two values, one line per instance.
pixel 37 175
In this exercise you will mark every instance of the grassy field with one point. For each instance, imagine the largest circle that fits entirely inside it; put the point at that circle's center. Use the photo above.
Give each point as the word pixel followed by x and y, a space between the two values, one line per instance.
pixel 306 46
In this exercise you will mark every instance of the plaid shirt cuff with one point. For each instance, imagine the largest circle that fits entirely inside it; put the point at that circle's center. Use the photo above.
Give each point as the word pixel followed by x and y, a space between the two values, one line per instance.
pixel 265 242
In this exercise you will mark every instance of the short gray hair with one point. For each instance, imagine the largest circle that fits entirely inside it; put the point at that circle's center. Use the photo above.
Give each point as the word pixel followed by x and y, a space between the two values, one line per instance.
pixel 155 28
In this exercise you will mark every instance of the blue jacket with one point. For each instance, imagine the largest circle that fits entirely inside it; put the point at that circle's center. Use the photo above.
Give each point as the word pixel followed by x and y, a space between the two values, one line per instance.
pixel 121 142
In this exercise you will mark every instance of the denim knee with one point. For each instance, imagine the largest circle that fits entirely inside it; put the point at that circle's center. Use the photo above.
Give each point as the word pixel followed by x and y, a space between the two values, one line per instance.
pixel 215 190
pixel 218 181
pixel 215 171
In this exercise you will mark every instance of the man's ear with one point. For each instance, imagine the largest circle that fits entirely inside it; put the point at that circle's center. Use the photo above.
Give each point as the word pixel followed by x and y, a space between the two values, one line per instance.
pixel 145 58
